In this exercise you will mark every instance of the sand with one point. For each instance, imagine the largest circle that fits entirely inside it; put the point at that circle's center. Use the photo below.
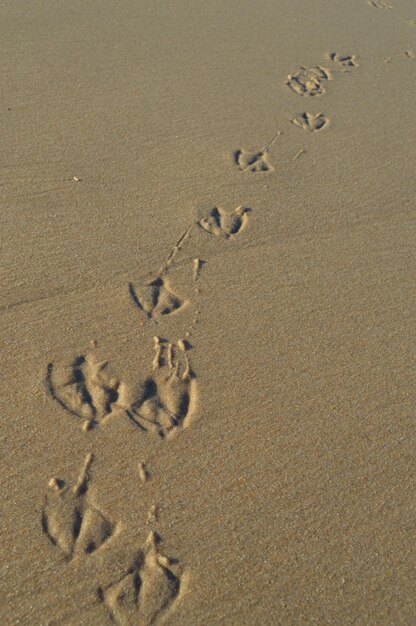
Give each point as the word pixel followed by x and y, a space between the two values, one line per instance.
pixel 207 262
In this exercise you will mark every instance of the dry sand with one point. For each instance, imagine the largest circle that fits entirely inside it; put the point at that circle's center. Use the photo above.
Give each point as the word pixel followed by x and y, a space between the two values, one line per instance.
pixel 207 257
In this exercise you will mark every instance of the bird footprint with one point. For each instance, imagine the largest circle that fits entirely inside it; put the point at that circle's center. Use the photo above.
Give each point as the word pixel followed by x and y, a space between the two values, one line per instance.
pixel 223 224
pixel 167 398
pixel 310 121
pixel 346 60
pixel 309 81
pixel 252 161
pixel 85 388
pixel 145 592
pixel 71 521
pixel 155 298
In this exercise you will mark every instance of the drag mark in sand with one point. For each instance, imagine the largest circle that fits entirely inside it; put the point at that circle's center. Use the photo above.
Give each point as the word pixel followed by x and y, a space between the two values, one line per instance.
pixel 380 4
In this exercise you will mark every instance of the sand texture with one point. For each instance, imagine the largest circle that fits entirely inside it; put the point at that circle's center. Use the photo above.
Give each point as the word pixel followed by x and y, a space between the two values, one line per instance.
pixel 207 312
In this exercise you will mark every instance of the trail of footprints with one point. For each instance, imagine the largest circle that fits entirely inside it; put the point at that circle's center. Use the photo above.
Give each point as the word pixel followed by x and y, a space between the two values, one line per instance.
pixel 310 83
pixel 72 523
pixel 161 403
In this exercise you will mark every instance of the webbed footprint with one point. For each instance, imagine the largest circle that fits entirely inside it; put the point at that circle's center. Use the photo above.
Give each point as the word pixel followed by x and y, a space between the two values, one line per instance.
pixel 70 520
pixel 85 388
pixel 347 61
pixel 166 400
pixel 309 81
pixel 311 121
pixel 145 592
pixel 225 224
pixel 252 161
pixel 156 298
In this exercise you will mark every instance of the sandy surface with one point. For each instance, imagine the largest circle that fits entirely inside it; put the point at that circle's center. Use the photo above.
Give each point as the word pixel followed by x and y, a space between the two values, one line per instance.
pixel 207 254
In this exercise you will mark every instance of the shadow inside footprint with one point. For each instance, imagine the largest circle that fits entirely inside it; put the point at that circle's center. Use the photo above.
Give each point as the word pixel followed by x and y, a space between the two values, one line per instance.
pixel 155 298
pixel 167 398
pixel 252 161
pixel 70 521
pixel 225 224
pixel 147 590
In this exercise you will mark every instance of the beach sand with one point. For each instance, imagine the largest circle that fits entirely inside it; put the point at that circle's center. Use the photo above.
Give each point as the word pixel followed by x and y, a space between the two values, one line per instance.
pixel 206 321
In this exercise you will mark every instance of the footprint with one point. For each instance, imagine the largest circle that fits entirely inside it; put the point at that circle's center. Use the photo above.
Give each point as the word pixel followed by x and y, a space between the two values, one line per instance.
pixel 155 298
pixel 223 224
pixel 380 4
pixel 85 388
pixel 252 161
pixel 311 121
pixel 346 60
pixel 147 590
pixel 167 398
pixel 70 521
pixel 162 403
pixel 411 54
pixel 309 81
